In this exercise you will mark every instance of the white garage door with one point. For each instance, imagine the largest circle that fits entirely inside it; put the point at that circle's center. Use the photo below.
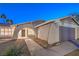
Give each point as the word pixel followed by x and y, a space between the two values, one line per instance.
pixel 66 33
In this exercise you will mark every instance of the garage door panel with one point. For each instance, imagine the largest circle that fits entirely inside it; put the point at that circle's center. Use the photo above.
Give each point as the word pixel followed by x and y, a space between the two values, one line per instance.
pixel 66 33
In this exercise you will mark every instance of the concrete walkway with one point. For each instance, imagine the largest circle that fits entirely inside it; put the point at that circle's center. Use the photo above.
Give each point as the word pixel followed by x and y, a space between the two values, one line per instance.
pixel 60 50
pixel 39 41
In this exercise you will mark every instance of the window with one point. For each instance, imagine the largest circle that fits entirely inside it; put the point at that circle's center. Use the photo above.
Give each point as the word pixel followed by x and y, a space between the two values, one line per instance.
pixel 9 29
pixel 23 33
pixel 6 29
pixel 2 31
pixel 6 33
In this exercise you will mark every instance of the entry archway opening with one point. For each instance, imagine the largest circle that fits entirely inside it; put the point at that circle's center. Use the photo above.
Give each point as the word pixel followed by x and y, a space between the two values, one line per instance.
pixel 26 33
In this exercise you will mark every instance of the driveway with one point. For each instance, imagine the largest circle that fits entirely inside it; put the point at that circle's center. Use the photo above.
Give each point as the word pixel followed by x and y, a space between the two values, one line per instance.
pixel 37 50
pixel 60 50
pixel 73 53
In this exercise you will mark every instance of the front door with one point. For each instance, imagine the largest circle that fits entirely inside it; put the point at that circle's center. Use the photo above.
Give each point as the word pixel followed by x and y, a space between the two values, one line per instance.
pixel 23 33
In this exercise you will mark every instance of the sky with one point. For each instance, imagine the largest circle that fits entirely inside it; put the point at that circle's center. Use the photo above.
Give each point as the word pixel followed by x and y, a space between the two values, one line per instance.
pixel 26 12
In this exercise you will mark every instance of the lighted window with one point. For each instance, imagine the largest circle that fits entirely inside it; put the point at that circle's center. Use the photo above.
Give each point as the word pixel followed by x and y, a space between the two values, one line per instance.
pixel 30 32
pixel 2 33
pixel 10 29
pixel 6 29
pixel 6 33
pixel 9 33
pixel 2 30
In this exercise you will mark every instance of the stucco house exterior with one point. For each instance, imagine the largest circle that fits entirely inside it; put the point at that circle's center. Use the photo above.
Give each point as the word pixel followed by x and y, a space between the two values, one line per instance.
pixel 60 30
pixel 52 31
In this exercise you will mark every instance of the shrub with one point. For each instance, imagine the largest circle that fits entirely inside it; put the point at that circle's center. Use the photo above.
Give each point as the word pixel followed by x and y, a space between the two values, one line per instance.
pixel 13 52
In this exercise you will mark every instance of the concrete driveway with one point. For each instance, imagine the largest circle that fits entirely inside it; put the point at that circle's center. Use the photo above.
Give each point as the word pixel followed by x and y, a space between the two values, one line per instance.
pixel 60 50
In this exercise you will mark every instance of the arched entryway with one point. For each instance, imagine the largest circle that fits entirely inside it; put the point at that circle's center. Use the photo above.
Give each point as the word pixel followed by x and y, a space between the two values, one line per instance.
pixel 25 33
pixel 24 30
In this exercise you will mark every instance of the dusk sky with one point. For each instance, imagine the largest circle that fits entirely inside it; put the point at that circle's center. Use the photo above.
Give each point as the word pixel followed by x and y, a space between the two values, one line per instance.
pixel 20 13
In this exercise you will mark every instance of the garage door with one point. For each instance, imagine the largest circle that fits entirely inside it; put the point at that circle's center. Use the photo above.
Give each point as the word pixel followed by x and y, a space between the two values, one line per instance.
pixel 66 33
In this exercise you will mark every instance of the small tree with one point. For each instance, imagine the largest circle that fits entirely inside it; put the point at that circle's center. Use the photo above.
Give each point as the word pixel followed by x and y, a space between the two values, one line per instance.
pixel 3 16
pixel 9 21
pixel 6 21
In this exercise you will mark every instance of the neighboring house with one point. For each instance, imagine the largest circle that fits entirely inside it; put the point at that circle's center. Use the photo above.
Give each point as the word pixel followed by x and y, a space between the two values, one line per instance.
pixel 8 31
pixel 60 30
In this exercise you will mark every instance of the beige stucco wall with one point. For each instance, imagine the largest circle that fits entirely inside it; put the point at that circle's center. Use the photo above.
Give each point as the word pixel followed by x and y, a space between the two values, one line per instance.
pixel 30 32
pixel 53 34
pixel 43 32
pixel 49 32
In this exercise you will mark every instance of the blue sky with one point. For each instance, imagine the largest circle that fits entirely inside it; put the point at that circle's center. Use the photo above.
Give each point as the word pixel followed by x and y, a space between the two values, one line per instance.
pixel 20 13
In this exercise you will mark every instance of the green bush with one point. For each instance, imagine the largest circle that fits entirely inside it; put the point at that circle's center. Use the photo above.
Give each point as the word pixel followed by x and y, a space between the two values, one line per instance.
pixel 13 52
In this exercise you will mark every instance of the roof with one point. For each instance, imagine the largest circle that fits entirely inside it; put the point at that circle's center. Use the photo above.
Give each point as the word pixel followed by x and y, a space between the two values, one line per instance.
pixel 44 23
pixel 33 22
pixel 56 20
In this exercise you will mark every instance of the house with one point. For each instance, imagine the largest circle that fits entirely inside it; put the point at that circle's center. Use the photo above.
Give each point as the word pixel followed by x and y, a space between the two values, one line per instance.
pixel 60 30
pixel 52 31
pixel 6 31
